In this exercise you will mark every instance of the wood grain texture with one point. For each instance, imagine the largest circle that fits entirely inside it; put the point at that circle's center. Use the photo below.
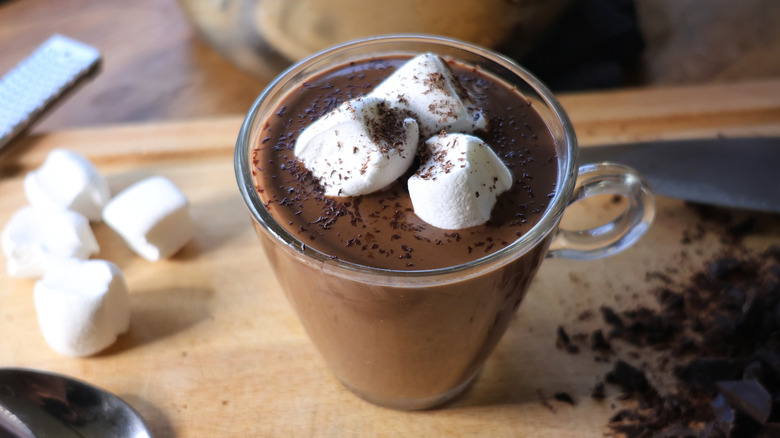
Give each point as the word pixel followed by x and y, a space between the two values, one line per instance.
pixel 215 350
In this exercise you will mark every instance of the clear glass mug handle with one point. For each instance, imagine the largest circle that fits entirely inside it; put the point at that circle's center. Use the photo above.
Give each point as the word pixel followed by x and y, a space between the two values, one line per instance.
pixel 618 234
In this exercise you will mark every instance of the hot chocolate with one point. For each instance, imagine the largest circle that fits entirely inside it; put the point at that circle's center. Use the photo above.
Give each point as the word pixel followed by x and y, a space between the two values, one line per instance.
pixel 405 313
pixel 380 229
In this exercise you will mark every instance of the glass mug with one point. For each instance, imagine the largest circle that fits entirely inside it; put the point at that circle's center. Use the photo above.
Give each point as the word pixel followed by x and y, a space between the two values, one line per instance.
pixel 415 339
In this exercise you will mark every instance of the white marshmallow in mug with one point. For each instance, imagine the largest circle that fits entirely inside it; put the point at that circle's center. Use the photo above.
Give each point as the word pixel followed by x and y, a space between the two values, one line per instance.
pixel 350 150
pixel 36 238
pixel 82 306
pixel 426 87
pixel 458 185
pixel 67 180
pixel 152 216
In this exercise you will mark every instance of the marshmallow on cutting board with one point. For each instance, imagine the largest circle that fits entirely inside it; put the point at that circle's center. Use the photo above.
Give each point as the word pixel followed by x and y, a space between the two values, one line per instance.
pixel 68 181
pixel 82 306
pixel 457 186
pixel 36 238
pixel 152 216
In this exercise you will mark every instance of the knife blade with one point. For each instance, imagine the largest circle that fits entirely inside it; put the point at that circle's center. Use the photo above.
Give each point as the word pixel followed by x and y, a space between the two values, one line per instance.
pixel 732 172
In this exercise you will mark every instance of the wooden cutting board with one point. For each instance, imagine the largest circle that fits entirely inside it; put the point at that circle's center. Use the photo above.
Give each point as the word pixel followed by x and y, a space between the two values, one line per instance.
pixel 215 350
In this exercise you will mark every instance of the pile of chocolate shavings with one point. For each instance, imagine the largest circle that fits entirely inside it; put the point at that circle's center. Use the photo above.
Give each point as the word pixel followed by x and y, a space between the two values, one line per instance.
pixel 387 128
pixel 718 334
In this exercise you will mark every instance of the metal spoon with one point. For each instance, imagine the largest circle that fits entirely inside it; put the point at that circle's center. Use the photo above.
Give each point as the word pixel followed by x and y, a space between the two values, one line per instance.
pixel 36 404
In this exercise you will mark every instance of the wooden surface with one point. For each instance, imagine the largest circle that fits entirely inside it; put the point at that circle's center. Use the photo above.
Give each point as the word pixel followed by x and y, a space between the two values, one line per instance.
pixel 157 68
pixel 215 350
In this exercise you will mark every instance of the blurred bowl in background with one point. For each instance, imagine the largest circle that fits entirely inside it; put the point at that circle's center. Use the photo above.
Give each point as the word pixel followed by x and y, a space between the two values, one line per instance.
pixel 263 37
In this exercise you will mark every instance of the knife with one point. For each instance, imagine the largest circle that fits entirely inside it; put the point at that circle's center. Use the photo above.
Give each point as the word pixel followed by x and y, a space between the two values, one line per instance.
pixel 732 172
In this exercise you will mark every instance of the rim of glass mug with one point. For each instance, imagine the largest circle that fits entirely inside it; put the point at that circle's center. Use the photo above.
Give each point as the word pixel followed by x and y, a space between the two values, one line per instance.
pixel 602 241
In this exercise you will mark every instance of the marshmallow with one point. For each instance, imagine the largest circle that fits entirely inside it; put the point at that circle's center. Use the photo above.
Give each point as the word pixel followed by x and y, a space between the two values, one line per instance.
pixel 152 216
pixel 35 239
pixel 426 87
pixel 360 147
pixel 68 181
pixel 82 306
pixel 457 186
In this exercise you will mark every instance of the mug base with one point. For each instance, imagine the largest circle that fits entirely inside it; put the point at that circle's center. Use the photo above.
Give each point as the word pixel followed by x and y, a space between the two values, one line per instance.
pixel 412 404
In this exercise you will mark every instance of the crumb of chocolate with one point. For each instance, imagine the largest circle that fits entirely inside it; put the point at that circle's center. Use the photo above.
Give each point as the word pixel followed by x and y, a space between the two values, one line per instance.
pixel 563 337
pixel 628 376
pixel 702 374
pixel 598 392
pixel 585 315
pixel 564 342
pixel 743 228
pixel 610 317
pixel 543 400
pixel 599 343
pixel 748 397
pixel 564 397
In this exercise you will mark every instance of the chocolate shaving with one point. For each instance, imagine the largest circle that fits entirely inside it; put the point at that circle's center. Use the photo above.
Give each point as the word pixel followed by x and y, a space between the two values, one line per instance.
pixel 564 397
pixel 598 392
pixel 629 377
pixel 387 129
pixel 748 397
pixel 599 343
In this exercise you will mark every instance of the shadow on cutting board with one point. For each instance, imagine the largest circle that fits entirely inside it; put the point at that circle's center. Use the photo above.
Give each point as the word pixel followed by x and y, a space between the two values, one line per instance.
pixel 158 314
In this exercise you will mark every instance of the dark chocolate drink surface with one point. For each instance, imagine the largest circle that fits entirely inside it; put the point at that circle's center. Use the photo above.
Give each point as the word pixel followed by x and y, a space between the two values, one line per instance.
pixel 380 229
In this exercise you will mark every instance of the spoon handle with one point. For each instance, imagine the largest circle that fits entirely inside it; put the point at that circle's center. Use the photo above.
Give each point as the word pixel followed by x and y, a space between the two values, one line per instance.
pixel 11 426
